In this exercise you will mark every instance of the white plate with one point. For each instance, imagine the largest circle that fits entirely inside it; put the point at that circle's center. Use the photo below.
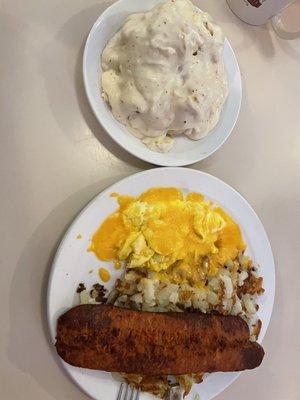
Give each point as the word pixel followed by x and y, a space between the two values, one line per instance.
pixel 185 151
pixel 72 263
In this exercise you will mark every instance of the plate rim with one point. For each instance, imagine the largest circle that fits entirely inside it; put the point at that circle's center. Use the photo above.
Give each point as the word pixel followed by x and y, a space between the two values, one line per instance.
pixel 108 189
pixel 149 159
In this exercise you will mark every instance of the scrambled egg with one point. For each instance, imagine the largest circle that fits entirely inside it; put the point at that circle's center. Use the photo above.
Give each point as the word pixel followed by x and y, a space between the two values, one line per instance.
pixel 180 239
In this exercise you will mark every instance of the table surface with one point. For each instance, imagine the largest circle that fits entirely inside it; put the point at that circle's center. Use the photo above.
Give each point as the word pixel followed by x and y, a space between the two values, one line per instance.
pixel 54 158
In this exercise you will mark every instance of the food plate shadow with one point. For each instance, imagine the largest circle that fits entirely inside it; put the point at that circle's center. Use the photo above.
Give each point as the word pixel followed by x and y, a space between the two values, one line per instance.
pixel 66 99
pixel 28 347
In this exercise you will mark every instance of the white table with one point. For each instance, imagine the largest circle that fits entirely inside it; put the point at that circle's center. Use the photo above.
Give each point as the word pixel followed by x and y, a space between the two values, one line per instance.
pixel 54 158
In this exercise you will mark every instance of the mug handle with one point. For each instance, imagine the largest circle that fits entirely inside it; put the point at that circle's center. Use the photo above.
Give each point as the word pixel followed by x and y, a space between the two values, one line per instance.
pixel 280 29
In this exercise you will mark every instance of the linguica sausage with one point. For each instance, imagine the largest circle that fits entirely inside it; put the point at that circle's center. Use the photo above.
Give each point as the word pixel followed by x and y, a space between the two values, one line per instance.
pixel 113 339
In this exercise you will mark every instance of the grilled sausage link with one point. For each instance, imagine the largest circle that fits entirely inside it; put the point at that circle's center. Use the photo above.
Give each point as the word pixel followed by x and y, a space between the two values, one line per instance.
pixel 113 339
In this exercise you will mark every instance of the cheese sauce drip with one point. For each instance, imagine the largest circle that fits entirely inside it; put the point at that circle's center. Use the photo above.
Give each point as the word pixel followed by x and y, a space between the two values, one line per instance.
pixel 104 274
pixel 181 239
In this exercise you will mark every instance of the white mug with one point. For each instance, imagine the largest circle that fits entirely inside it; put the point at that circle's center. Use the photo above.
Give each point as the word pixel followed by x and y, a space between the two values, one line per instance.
pixel 258 12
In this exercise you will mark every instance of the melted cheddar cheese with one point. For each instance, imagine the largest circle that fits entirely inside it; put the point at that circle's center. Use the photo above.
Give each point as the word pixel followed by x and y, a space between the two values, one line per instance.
pixel 181 239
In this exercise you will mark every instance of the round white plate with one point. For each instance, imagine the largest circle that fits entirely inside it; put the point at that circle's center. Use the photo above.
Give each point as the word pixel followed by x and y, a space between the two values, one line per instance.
pixel 72 263
pixel 185 151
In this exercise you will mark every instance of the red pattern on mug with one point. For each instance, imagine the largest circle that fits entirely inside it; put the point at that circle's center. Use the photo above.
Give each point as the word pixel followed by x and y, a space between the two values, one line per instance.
pixel 255 3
